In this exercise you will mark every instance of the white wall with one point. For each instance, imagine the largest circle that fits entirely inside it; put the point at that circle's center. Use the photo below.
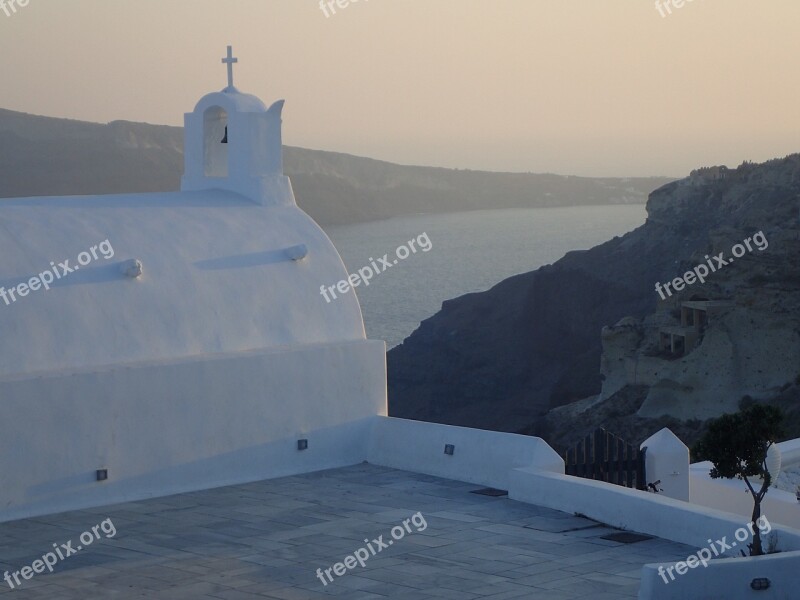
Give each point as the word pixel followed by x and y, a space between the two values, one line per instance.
pixel 667 461
pixel 482 457
pixel 733 496
pixel 634 510
pixel 790 453
pixel 726 578
pixel 173 427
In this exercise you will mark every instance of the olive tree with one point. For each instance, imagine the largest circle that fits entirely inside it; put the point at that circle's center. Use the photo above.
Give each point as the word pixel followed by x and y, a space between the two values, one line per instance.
pixel 737 445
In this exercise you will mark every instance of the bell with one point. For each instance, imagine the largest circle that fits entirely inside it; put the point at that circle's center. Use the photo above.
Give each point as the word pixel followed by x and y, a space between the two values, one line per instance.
pixel 225 139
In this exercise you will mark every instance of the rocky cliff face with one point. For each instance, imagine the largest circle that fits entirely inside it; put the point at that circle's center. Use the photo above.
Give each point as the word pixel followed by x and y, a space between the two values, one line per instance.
pixel 508 358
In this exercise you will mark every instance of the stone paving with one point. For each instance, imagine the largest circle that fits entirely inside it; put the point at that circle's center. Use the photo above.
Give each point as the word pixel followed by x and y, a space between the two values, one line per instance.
pixel 267 540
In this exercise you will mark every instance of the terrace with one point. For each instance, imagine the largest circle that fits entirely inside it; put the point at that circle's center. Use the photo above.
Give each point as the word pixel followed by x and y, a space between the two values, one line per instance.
pixel 267 540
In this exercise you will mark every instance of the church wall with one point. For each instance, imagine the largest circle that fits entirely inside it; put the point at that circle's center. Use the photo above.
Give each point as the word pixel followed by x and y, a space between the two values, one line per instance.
pixel 171 427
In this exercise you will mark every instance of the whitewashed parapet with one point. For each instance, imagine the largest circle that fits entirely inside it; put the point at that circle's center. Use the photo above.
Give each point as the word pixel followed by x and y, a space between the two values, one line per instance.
pixel 667 462
pixel 478 456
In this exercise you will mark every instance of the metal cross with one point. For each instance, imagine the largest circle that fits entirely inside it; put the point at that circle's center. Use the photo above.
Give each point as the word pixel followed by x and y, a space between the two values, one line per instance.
pixel 230 61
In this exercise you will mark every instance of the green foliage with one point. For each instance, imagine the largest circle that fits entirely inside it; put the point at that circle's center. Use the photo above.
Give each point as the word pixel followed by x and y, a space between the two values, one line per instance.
pixel 737 443
pixel 737 446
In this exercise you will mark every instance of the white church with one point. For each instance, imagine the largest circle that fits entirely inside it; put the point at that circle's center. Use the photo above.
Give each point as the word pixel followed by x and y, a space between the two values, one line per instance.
pixel 155 344
pixel 163 343
pixel 200 353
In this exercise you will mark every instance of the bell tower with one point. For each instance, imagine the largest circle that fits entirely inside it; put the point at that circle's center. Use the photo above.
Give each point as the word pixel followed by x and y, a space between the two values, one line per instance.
pixel 233 142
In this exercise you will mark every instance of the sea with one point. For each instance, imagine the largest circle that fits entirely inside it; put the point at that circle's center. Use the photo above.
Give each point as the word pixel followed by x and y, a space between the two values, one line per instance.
pixel 468 252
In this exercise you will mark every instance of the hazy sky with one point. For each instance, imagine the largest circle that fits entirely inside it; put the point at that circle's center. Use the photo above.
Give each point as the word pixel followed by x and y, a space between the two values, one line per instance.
pixel 587 87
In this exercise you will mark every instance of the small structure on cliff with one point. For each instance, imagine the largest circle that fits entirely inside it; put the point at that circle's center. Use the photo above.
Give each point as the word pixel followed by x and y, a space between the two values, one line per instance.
pixel 695 315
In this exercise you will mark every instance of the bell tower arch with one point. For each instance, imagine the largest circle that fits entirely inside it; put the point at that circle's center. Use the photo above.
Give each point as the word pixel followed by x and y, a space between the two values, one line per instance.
pixel 234 142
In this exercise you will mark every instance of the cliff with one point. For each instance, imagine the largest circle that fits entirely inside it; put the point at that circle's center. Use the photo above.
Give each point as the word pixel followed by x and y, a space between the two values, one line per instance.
pixel 528 354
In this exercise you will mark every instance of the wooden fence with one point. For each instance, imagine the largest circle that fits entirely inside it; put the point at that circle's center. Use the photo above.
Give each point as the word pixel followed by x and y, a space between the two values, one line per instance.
pixel 605 457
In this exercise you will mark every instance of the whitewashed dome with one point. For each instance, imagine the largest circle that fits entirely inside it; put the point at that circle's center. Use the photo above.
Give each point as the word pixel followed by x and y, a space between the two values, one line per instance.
pixel 232 99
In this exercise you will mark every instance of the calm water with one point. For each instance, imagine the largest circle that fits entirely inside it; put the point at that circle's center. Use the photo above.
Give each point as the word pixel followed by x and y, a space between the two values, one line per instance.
pixel 471 251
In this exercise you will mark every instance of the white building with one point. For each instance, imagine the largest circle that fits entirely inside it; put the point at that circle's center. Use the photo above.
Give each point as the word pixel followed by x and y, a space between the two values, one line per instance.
pixel 178 340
